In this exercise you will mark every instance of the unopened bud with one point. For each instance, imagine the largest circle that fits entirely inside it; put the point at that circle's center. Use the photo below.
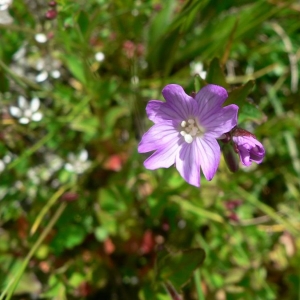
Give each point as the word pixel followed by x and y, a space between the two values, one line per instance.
pixel 242 132
pixel 51 14
pixel 52 3
pixel 69 197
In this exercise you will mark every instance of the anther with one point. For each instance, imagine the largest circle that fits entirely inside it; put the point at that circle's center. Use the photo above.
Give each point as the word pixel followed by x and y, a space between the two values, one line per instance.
pixel 183 124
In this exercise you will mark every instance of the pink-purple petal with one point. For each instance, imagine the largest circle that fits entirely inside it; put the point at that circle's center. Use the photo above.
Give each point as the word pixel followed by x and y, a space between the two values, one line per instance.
pixel 250 149
pixel 221 122
pixel 210 153
pixel 158 136
pixel 188 163
pixel 184 105
pixel 210 98
pixel 158 111
pixel 163 157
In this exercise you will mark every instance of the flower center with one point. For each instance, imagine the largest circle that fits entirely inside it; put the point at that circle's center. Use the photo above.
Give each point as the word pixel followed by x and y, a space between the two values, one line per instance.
pixel 191 129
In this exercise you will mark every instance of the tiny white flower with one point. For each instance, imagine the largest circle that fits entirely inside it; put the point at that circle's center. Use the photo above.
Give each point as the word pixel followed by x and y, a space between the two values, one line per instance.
pixel 78 163
pixel 197 68
pixel 47 67
pixel 2 166
pixel 4 4
pixel 41 38
pixel 55 74
pixel 5 17
pixel 25 111
pixel 41 76
pixel 99 56
pixel 5 161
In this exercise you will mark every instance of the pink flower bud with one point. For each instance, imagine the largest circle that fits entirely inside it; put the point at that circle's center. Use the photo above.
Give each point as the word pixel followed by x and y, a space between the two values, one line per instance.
pixel 51 14
pixel 248 147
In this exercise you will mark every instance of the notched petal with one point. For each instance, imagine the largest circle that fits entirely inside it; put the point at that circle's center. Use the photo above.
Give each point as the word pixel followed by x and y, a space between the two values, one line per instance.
pixel 188 163
pixel 184 105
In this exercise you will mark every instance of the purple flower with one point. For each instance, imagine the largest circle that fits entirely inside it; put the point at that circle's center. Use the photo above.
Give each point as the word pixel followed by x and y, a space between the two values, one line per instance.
pixel 249 149
pixel 185 131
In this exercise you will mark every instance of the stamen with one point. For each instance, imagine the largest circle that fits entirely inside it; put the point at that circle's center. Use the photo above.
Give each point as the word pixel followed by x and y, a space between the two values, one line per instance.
pixel 190 130
pixel 188 138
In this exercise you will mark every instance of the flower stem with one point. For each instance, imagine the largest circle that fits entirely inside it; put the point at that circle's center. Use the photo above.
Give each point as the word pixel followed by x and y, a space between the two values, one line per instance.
pixel 37 244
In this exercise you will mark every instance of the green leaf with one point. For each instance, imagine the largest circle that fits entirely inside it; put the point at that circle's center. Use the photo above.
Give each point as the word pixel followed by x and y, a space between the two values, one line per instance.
pixel 250 112
pixel 111 118
pixel 199 82
pixel 239 95
pixel 76 67
pixel 83 22
pixel 215 74
pixel 68 237
pixel 178 267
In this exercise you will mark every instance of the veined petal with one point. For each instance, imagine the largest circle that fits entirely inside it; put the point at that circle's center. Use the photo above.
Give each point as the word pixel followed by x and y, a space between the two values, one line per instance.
pixel 221 122
pixel 158 111
pixel 184 105
pixel 188 163
pixel 163 157
pixel 210 153
pixel 158 136
pixel 210 98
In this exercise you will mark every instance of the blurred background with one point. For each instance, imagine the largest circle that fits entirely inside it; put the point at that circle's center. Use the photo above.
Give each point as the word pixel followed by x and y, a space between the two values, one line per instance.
pixel 80 217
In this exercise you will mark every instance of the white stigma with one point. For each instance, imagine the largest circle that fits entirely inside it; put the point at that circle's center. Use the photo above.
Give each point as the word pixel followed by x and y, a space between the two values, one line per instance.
pixel 191 129
pixel 188 138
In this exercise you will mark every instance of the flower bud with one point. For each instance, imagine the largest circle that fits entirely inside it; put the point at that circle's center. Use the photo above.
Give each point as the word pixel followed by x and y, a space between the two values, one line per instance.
pixel 248 147
pixel 51 14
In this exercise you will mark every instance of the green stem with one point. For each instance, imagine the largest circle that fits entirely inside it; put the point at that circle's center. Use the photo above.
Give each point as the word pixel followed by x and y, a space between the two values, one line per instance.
pixel 197 279
pixel 33 250
pixel 267 210
pixel 31 150
pixel 47 207
pixel 20 80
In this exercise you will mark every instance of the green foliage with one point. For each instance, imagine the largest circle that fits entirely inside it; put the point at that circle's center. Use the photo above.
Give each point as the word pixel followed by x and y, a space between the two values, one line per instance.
pixel 80 217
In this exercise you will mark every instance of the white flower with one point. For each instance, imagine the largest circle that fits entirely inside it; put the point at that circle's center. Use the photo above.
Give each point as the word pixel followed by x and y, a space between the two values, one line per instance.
pixel 6 159
pixel 197 68
pixel 41 38
pixel 99 56
pixel 78 163
pixel 5 17
pixel 4 4
pixel 25 111
pixel 47 67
